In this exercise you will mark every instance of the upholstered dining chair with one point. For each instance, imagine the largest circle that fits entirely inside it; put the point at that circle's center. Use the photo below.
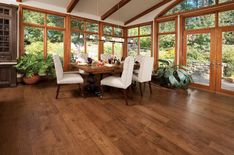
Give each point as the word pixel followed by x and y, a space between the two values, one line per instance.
pixel 105 56
pixel 145 72
pixel 64 78
pixel 122 82
pixel 138 59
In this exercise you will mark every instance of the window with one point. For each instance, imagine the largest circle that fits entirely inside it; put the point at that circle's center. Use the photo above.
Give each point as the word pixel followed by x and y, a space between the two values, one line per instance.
pixel 33 17
pixel 108 30
pixel 92 46
pixel 84 38
pixel 91 27
pixel 33 40
pixel 133 46
pixel 133 32
pixel 188 5
pixel 139 40
pixel 167 48
pixel 55 21
pixel 111 33
pixel 34 24
pixel 199 22
pixel 77 44
pixel 77 24
pixel 55 43
pixel 168 26
pixel 145 46
pixel 226 18
pixel 167 41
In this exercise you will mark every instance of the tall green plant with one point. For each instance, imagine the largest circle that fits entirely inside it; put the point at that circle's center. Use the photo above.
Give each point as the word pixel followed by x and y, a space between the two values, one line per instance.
pixel 173 76
pixel 35 64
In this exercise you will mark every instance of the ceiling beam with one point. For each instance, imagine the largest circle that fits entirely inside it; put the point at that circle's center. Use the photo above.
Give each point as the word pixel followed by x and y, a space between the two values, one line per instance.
pixel 71 5
pixel 19 1
pixel 114 9
pixel 147 11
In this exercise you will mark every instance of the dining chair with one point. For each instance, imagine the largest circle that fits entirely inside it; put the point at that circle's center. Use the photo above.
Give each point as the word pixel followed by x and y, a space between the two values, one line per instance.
pixel 64 78
pixel 138 59
pixel 122 82
pixel 145 72
pixel 105 56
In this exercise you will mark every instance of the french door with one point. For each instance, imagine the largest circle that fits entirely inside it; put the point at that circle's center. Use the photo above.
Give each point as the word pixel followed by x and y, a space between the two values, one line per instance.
pixel 200 57
pixel 208 54
pixel 225 60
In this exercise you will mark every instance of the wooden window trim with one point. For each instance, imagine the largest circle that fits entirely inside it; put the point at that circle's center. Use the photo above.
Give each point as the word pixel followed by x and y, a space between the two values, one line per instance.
pixel 139 36
pixel 157 34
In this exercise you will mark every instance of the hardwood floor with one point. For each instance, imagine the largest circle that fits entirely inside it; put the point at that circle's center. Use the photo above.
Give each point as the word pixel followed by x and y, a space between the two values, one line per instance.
pixel 166 122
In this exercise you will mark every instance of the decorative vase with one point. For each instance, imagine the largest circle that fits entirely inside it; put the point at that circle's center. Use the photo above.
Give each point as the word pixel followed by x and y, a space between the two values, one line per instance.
pixel 31 80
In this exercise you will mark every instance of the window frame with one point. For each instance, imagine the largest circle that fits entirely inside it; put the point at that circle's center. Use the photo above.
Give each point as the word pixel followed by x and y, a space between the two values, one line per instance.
pixel 157 34
pixel 139 35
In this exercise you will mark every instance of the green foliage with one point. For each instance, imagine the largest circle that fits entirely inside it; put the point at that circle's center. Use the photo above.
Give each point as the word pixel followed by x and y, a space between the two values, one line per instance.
pixel 35 64
pixel 173 76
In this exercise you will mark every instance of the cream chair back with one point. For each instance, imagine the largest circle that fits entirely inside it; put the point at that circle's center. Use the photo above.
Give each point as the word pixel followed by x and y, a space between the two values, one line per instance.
pixel 126 77
pixel 146 69
pixel 138 58
pixel 58 67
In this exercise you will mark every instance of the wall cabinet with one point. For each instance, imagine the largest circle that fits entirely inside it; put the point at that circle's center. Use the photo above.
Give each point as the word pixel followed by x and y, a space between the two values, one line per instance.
pixel 8 44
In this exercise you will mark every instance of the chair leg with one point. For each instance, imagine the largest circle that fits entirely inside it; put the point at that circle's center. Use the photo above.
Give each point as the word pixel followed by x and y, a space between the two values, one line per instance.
pixel 102 91
pixel 150 87
pixel 57 92
pixel 126 96
pixel 81 90
pixel 140 89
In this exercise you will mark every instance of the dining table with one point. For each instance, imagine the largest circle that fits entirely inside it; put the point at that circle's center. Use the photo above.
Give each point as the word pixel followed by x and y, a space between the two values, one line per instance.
pixel 95 74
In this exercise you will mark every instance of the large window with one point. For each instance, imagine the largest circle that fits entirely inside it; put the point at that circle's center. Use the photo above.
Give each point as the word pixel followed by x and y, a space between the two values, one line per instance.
pixel 167 41
pixel 140 40
pixel 34 25
pixel 110 45
pixel 84 38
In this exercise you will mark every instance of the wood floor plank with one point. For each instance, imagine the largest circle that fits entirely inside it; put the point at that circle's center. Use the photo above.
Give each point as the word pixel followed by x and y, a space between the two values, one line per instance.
pixel 32 121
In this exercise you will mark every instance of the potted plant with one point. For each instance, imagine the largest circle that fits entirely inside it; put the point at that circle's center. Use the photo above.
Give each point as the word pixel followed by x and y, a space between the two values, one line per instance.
pixel 33 66
pixel 173 76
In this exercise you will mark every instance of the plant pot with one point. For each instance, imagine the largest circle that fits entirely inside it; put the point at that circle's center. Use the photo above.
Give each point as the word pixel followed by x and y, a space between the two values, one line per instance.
pixel 31 80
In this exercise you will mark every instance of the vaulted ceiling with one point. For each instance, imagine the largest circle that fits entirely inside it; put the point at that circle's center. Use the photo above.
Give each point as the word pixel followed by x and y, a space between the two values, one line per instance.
pixel 95 9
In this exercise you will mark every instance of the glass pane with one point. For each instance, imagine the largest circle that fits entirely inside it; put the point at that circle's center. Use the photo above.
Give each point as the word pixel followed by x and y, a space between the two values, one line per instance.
pixel 33 17
pixel 55 21
pixel 198 57
pixel 223 1
pixel 92 27
pixel 108 30
pixel 108 48
pixel 228 61
pixel 167 26
pixel 145 46
pixel 226 18
pixel 92 47
pixel 199 22
pixel 118 32
pixel 33 40
pixel 55 44
pixel 145 30
pixel 118 50
pixel 133 46
pixel 190 5
pixel 77 45
pixel 133 32
pixel 77 24
pixel 167 48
